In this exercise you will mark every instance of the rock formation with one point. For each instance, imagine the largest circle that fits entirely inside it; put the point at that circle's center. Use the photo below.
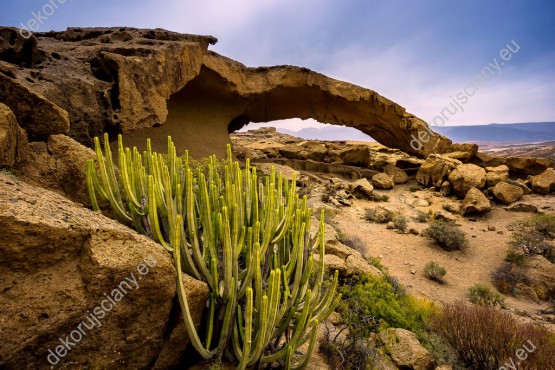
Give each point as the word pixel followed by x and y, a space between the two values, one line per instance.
pixel 83 82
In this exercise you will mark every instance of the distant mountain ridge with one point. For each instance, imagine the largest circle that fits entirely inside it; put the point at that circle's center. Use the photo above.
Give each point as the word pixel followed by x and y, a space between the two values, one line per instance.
pixel 495 132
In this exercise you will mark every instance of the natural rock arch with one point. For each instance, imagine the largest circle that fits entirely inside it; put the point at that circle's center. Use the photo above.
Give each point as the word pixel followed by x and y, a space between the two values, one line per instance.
pixel 151 83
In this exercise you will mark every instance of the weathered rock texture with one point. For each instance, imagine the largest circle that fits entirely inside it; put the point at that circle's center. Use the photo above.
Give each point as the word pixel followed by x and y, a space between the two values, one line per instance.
pixel 60 262
pixel 87 81
pixel 13 139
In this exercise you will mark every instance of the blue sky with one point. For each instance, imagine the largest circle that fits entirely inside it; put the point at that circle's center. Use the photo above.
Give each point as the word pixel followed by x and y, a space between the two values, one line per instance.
pixel 418 54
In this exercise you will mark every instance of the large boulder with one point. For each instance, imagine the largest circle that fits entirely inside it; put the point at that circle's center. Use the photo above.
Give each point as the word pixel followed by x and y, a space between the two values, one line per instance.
pixel 544 183
pixel 506 193
pixel 435 170
pixel 475 202
pixel 405 350
pixel 529 165
pixel 540 276
pixel 357 155
pixel 496 174
pixel 467 176
pixel 399 176
pixel 382 181
pixel 362 188
pixel 346 261
pixel 13 139
pixel 59 164
pixel 80 290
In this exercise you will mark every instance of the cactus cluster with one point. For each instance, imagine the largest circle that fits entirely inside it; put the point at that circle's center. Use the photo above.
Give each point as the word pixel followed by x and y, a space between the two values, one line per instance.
pixel 246 236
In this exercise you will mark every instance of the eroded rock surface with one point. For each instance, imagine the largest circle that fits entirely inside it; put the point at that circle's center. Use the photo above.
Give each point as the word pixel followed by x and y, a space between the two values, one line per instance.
pixel 87 81
pixel 60 262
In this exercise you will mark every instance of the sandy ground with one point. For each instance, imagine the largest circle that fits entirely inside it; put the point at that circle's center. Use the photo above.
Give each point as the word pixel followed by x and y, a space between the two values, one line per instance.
pixel 405 255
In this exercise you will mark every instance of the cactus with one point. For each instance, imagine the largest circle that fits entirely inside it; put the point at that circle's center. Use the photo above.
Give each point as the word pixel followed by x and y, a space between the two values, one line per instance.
pixel 247 237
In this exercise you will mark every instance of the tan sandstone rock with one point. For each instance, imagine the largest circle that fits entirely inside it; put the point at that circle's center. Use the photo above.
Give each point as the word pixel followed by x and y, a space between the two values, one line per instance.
pixel 475 202
pixel 544 183
pixel 60 262
pixel 406 351
pixel 382 181
pixel 507 193
pixel 467 176
pixel 399 176
pixel 13 139
pixel 362 187
pixel 59 164
pixel 435 170
pixel 497 174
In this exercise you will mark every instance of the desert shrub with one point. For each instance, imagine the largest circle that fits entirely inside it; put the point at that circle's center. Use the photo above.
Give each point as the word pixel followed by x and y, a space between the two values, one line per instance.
pixel 352 241
pixel 329 215
pixel 400 223
pixel 487 338
pixel 505 278
pixel 448 207
pixel 422 217
pixel 543 223
pixel 379 215
pixel 514 257
pixel 530 242
pixel 483 295
pixel 386 300
pixel 447 236
pixel 434 271
pixel 325 198
pixel 350 346
pixel 377 263
pixel 370 304
pixel 414 188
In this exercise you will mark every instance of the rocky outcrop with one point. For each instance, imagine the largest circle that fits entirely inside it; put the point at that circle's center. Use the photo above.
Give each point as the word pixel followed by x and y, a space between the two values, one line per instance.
pixel 475 202
pixel 435 170
pixel 382 181
pixel 497 174
pixel 399 176
pixel 405 350
pixel 87 81
pixel 13 139
pixel 506 193
pixel 59 164
pixel 70 275
pixel 467 176
pixel 544 183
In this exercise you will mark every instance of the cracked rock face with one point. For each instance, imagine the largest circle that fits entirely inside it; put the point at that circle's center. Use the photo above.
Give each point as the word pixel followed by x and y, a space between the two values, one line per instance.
pixel 60 263
pixel 154 83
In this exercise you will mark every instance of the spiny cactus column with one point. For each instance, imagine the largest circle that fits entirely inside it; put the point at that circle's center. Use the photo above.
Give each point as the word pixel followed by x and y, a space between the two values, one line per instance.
pixel 247 238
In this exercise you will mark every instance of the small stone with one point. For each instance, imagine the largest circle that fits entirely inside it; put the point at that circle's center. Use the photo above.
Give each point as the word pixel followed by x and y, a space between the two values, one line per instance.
pixel 413 271
pixel 390 225
pixel 500 232
pixel 491 228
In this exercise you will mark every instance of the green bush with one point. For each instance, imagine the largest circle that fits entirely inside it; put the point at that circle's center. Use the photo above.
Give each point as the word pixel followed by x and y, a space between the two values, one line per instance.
pixel 385 300
pixel 422 217
pixel 447 236
pixel 401 223
pixel 487 338
pixel 484 295
pixel 543 223
pixel 514 257
pixel 434 271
